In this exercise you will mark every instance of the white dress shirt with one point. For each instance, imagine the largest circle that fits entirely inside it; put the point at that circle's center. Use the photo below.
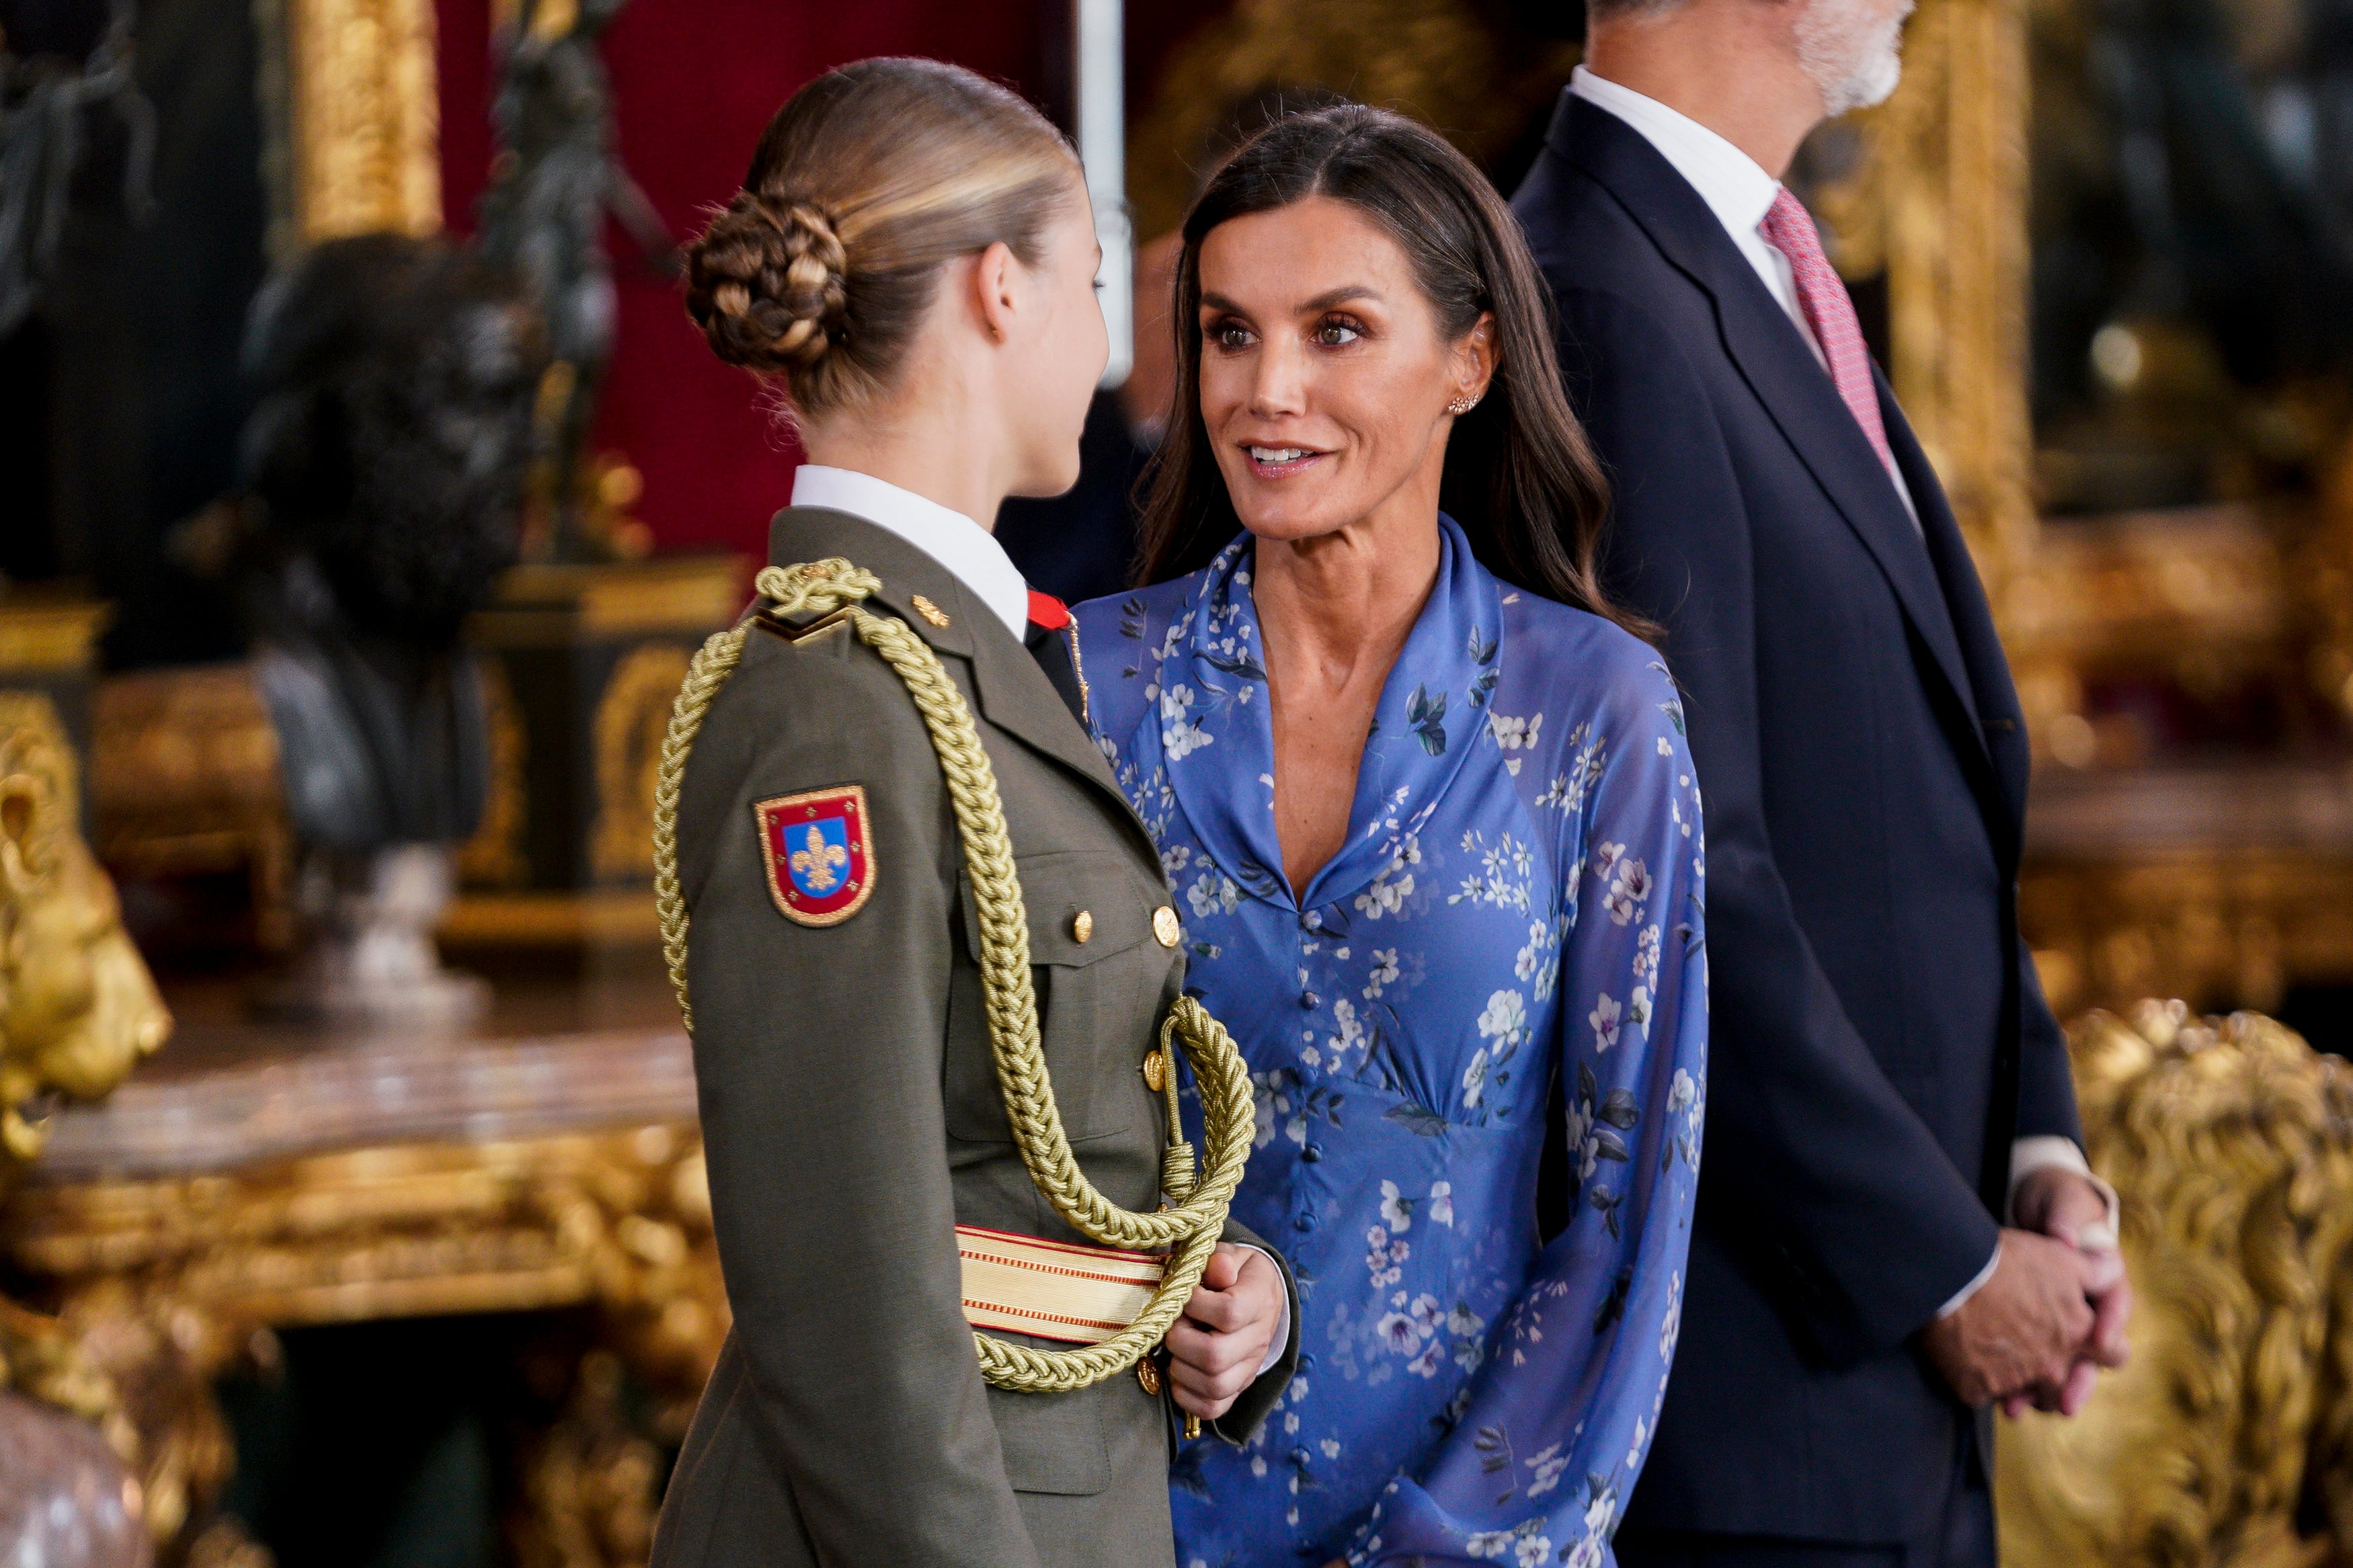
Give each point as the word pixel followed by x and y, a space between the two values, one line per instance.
pixel 1736 188
pixel 968 551
pixel 1739 191
pixel 975 559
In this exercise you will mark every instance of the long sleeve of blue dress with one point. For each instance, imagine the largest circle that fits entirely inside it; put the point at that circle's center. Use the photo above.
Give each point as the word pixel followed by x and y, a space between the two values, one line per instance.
pixel 1558 1420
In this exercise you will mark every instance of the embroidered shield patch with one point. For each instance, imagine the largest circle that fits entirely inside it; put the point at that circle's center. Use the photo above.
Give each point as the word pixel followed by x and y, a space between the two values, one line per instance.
pixel 819 853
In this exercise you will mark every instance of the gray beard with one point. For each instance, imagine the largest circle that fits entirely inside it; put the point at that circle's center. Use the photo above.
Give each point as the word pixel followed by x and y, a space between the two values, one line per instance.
pixel 1854 69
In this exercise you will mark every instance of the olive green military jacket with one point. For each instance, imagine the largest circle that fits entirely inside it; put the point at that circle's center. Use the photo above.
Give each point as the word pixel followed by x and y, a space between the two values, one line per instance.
pixel 851 1115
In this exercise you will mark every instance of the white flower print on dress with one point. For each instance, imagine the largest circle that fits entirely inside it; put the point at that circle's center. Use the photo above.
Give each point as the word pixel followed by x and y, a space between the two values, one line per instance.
pixel 1505 1021
pixel 1566 792
pixel 1352 1029
pixel 1514 735
pixel 1630 886
pixel 1394 885
pixel 1604 1019
pixel 1638 1010
pixel 1385 973
pixel 1180 733
pixel 1396 1209
pixel 1475 1080
pixel 1440 1208
pixel 1547 1464
pixel 1213 893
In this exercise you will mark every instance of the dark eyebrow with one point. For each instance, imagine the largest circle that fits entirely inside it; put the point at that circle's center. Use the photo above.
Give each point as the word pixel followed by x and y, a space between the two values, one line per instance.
pixel 1322 302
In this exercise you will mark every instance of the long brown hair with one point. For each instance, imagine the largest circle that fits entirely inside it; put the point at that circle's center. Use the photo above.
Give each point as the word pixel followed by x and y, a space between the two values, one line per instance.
pixel 1520 476
pixel 867 181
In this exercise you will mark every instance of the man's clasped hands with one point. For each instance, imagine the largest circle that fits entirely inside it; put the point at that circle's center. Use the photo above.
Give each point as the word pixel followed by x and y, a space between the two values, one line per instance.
pixel 2037 1332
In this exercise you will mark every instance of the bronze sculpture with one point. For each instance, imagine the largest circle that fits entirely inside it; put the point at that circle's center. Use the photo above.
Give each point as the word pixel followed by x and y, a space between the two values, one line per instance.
pixel 385 464
pixel 554 182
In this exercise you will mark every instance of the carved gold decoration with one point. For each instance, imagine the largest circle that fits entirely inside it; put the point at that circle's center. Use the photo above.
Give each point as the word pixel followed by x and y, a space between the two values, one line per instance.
pixel 590 1483
pixel 493 856
pixel 632 717
pixel 360 141
pixel 2220 886
pixel 163 1280
pixel 2325 570
pixel 183 778
pixel 2203 598
pixel 1434 58
pixel 590 917
pixel 41 636
pixel 76 1007
pixel 2231 1143
pixel 563 606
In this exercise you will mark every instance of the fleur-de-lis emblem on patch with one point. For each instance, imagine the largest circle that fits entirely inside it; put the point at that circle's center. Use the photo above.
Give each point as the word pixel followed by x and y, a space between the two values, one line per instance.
pixel 815 866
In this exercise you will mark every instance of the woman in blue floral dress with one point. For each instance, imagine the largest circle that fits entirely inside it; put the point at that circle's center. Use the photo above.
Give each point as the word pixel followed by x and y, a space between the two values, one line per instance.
pixel 1436 843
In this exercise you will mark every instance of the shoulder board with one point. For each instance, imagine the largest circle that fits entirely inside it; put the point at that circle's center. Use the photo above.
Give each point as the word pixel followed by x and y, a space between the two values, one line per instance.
pixel 801 632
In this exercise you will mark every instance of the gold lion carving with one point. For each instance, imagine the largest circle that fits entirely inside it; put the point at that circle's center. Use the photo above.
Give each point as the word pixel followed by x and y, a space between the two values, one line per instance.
pixel 2231 1142
pixel 78 1009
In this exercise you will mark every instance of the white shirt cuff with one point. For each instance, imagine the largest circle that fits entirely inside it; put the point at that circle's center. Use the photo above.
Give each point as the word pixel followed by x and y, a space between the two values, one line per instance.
pixel 2028 1155
pixel 1974 1286
pixel 1282 1340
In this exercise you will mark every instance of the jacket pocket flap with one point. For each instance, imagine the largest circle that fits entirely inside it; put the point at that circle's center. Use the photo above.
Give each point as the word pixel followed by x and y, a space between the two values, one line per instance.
pixel 1052 1442
pixel 1057 889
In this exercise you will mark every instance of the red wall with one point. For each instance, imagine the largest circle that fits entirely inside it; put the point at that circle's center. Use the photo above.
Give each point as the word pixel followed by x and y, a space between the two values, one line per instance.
pixel 694 82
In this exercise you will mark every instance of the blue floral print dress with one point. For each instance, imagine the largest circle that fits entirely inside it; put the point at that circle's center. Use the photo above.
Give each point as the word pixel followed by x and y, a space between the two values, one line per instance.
pixel 1519 896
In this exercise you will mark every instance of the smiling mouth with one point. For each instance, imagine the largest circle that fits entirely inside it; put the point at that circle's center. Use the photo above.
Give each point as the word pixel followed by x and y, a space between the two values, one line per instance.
pixel 1276 462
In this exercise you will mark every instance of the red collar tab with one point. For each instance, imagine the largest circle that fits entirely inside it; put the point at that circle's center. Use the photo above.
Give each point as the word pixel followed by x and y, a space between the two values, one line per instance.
pixel 1046 611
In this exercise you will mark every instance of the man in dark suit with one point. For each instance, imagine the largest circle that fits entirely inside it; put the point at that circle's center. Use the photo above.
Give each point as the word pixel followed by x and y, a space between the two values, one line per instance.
pixel 1896 1228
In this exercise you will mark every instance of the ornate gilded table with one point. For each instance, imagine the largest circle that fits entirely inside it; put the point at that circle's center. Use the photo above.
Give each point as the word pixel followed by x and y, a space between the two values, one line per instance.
pixel 253 1178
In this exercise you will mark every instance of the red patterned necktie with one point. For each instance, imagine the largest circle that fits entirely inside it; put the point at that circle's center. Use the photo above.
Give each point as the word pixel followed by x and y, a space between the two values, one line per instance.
pixel 1789 229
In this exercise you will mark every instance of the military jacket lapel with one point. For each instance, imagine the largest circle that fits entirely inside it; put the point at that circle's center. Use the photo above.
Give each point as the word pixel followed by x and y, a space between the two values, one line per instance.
pixel 1013 694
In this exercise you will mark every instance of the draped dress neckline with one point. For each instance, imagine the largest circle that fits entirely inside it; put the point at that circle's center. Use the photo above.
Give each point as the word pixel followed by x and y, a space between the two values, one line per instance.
pixel 1214 697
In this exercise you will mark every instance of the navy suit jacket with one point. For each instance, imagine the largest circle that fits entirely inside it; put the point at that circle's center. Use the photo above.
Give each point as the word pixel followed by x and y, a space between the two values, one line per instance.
pixel 1878 1035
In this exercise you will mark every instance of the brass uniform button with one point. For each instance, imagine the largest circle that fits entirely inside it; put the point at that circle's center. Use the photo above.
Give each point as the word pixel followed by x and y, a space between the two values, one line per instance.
pixel 1156 1070
pixel 1149 1375
pixel 1164 926
pixel 1082 927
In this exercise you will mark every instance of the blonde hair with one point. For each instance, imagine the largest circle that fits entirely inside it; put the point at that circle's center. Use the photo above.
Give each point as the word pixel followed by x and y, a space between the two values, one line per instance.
pixel 867 180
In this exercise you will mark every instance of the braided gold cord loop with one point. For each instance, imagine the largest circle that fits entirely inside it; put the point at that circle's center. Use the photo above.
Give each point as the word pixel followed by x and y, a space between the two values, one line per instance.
pixel 1193 1225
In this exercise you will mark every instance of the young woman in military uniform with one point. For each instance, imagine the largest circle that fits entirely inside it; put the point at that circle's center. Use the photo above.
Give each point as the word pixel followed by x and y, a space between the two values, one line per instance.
pixel 924 1141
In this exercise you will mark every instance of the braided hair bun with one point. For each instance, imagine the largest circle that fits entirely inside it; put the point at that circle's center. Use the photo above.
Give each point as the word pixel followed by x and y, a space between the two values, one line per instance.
pixel 821 272
pixel 769 284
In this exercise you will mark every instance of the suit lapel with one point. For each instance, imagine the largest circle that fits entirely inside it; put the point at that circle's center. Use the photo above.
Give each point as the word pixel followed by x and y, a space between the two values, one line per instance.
pixel 1798 394
pixel 1992 694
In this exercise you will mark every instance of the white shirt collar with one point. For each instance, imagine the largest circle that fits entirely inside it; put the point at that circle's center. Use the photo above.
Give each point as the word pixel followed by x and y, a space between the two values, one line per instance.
pixel 1735 187
pixel 950 538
